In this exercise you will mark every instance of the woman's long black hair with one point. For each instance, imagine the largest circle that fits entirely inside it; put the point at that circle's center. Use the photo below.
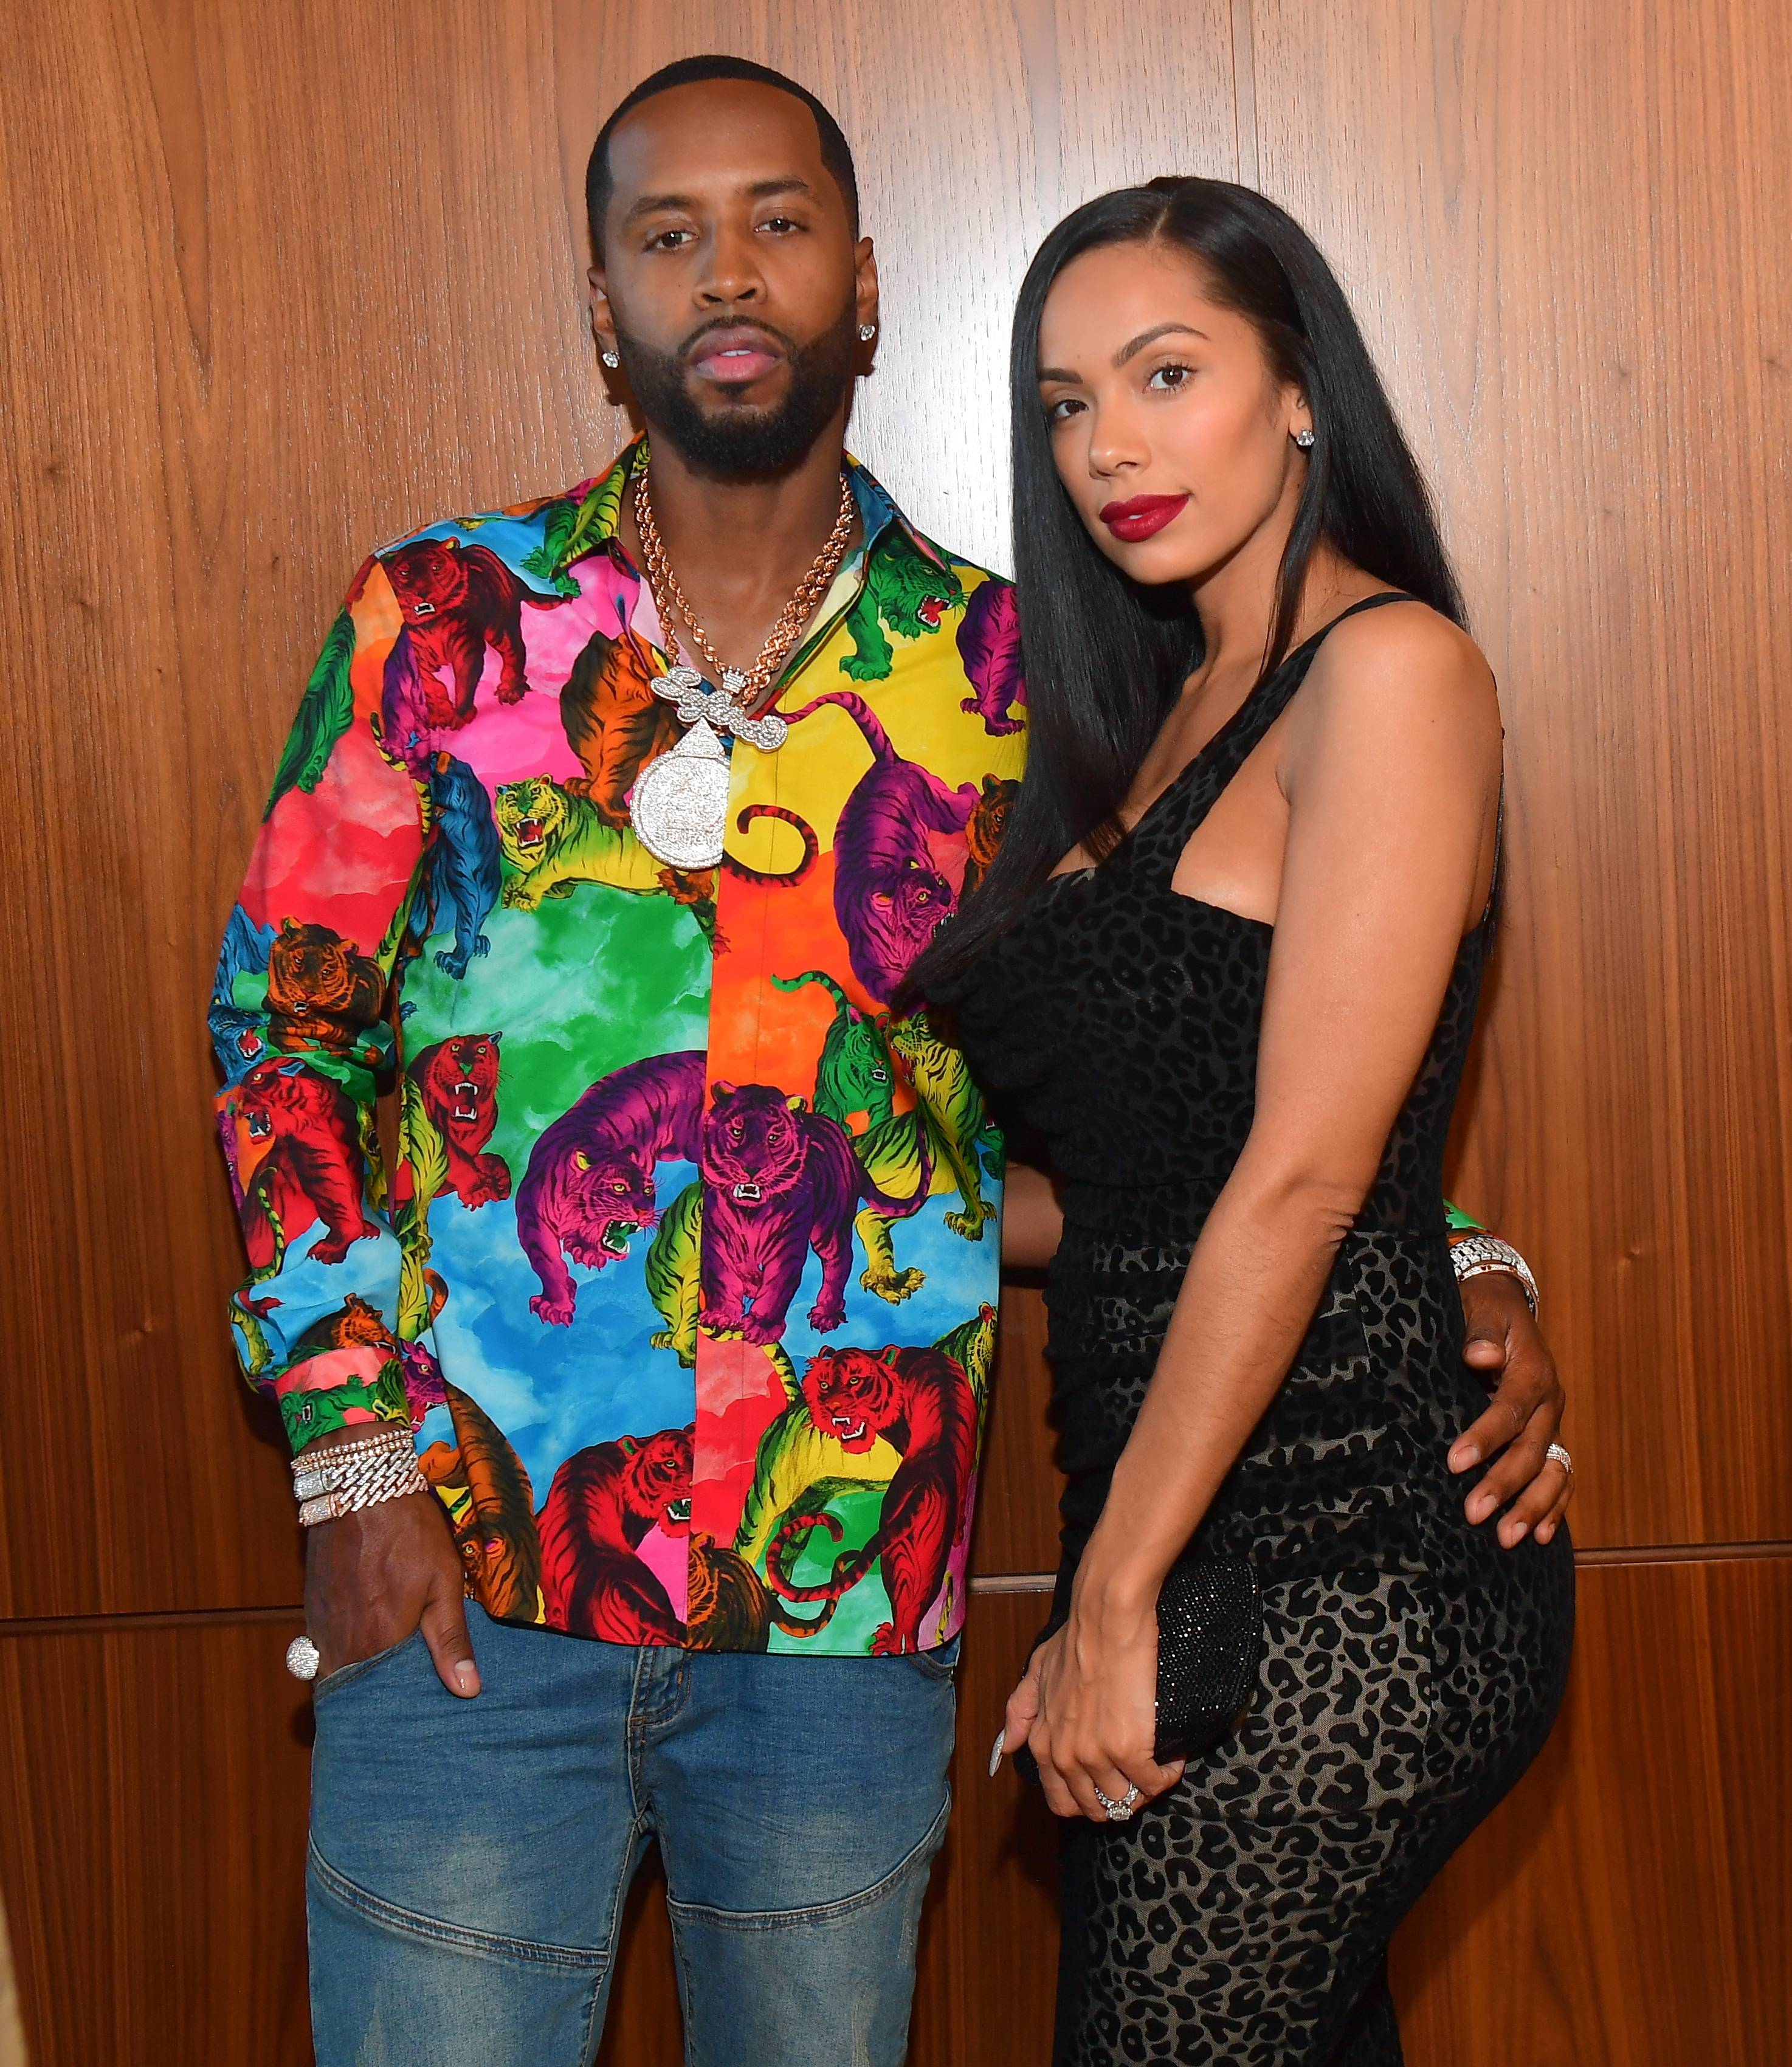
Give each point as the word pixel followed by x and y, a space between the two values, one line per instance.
pixel 1106 658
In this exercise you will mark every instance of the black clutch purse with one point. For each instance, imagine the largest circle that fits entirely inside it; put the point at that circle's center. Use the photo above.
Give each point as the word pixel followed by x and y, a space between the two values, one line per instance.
pixel 1210 1652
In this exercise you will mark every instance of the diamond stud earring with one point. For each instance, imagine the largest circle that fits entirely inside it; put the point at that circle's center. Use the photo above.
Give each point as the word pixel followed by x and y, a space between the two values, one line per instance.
pixel 610 360
pixel 1304 440
pixel 866 332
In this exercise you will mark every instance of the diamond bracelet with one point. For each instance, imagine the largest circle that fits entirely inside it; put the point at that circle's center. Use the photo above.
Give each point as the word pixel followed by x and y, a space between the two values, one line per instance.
pixel 1478 1255
pixel 349 1476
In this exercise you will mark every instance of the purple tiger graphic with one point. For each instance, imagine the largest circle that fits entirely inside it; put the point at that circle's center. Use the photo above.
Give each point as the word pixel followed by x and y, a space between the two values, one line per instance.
pixel 589 1185
pixel 989 645
pixel 407 731
pixel 889 896
pixel 783 1181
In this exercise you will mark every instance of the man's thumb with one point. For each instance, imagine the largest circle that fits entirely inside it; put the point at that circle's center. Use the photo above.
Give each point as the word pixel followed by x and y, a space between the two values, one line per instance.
pixel 444 1631
pixel 1484 1344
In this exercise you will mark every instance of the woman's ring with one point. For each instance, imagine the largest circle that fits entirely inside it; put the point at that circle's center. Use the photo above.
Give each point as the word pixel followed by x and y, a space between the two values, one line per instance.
pixel 1119 1811
pixel 1558 1454
pixel 302 1658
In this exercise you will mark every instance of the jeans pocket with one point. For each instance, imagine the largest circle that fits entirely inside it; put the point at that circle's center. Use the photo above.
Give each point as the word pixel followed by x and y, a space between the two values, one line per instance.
pixel 359 1668
pixel 941 1663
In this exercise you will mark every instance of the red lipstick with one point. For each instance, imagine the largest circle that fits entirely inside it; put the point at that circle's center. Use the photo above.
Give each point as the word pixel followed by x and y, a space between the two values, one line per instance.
pixel 1143 517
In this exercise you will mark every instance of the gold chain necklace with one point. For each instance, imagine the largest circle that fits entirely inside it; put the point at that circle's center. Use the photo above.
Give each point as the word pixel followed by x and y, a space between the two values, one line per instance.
pixel 679 803
pixel 744 686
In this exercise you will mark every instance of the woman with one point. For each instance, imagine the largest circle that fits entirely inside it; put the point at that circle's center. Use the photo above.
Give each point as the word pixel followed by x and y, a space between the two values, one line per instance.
pixel 1224 971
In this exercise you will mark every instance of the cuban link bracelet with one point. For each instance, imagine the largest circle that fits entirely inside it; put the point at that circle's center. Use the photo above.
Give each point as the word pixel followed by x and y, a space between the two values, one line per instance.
pixel 346 1478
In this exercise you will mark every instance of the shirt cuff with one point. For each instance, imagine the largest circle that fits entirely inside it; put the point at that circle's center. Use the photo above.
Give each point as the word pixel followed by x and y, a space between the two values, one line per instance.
pixel 341 1389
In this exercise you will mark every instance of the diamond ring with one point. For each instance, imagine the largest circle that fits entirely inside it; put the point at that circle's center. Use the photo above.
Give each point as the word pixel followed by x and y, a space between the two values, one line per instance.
pixel 302 1658
pixel 1119 1811
pixel 1555 1454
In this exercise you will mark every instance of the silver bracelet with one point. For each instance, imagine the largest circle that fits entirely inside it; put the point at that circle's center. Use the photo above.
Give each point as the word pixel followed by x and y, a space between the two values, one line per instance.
pixel 1479 1255
pixel 348 1476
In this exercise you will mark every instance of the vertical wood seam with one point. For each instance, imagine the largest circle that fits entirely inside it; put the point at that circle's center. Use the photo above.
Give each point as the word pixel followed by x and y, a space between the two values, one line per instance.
pixel 1244 92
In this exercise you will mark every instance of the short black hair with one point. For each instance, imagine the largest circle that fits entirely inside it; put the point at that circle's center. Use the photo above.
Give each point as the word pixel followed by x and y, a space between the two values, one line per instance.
pixel 836 152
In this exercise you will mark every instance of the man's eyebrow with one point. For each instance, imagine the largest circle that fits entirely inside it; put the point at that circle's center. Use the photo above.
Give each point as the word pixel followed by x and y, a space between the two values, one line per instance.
pixel 1145 337
pixel 652 204
pixel 787 183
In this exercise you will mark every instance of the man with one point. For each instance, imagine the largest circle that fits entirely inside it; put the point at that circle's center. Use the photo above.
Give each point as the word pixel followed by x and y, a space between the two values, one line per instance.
pixel 639 952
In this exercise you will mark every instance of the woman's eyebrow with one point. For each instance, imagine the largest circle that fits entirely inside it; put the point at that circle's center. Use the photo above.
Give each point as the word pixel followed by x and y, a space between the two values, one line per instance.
pixel 1129 352
pixel 1145 337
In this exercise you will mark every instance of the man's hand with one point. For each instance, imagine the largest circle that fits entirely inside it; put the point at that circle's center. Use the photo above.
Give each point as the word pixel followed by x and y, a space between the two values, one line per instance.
pixel 1505 1343
pixel 371 1578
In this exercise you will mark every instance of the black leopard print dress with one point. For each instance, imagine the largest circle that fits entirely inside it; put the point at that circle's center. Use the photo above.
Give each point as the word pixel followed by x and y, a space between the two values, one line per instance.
pixel 1412 1668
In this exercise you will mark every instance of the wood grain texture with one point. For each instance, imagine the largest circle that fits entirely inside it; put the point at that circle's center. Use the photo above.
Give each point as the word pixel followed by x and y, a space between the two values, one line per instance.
pixel 1564 228
pixel 1018 1485
pixel 152 1807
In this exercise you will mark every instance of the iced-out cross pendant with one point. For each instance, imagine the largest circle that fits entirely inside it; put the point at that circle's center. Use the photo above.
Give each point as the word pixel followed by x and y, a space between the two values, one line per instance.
pixel 685 687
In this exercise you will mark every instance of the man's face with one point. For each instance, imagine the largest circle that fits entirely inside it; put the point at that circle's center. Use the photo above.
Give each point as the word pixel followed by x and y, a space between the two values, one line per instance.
pixel 730 282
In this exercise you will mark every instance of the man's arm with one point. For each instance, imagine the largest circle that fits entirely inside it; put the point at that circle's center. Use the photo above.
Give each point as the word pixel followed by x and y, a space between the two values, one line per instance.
pixel 1505 1347
pixel 299 1024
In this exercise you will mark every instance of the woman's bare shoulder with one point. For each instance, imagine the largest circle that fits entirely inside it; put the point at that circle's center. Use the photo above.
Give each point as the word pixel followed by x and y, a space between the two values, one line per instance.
pixel 1388 675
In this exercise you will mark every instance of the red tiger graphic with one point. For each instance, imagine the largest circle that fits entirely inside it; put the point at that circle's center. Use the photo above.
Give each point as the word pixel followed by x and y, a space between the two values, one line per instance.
pixel 309 1169
pixel 457 600
pixel 602 1501
pixel 920 1401
pixel 457 1080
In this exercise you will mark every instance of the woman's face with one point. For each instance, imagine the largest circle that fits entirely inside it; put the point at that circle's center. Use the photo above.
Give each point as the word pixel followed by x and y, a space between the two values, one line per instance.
pixel 1169 429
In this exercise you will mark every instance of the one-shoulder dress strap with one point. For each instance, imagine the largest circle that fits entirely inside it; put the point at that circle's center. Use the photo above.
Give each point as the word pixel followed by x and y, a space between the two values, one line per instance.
pixel 1166 828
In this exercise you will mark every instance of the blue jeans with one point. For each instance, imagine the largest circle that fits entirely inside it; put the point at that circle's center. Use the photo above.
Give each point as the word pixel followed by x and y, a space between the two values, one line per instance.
pixel 469 1859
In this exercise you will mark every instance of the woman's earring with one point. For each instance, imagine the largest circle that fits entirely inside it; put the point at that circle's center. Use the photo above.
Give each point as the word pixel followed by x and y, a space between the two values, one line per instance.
pixel 866 332
pixel 610 360
pixel 1304 440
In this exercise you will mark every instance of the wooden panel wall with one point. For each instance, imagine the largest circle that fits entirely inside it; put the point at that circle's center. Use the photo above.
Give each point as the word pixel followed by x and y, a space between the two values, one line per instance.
pixel 282 282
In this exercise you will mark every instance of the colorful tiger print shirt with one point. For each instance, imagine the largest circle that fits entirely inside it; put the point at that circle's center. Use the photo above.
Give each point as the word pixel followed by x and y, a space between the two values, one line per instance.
pixel 686 1273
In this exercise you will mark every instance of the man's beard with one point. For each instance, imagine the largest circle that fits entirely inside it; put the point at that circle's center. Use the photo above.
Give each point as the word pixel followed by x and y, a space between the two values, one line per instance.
pixel 736 444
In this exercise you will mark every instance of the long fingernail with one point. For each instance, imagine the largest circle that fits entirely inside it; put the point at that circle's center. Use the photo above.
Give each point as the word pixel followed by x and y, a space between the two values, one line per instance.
pixel 995 1752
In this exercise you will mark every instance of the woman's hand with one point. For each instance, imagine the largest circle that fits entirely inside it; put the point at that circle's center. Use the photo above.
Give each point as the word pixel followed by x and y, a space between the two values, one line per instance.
pixel 1087 1708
